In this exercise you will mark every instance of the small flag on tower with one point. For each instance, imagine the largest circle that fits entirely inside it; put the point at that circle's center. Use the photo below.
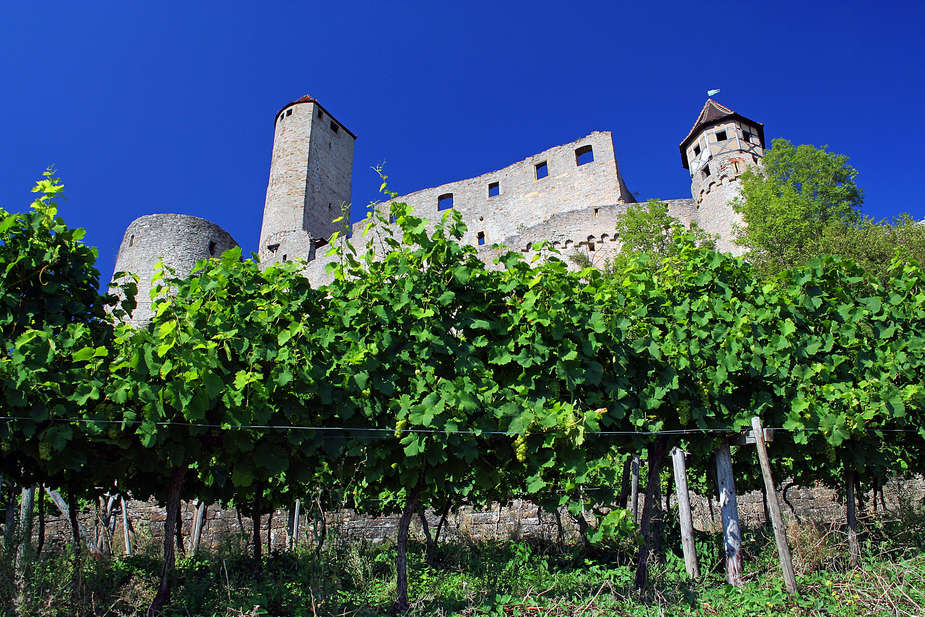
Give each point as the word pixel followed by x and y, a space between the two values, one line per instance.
pixel 712 92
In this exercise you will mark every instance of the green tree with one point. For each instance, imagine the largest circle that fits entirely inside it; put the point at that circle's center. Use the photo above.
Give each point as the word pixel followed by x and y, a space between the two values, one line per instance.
pixel 789 203
pixel 803 202
pixel 54 330
pixel 648 229
pixel 873 245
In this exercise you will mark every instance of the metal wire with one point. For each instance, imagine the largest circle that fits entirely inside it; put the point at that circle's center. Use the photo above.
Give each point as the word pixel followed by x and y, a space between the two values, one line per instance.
pixel 359 429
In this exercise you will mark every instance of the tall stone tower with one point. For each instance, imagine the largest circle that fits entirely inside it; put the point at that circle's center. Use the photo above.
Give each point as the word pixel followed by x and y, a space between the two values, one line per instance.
pixel 310 181
pixel 720 147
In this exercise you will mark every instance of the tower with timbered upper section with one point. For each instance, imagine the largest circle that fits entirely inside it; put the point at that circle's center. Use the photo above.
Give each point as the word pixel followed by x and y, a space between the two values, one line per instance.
pixel 719 148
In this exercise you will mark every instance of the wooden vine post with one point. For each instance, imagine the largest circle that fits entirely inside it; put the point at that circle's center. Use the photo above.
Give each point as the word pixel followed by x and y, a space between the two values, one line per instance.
pixel 198 523
pixel 732 536
pixel 294 515
pixel 777 521
pixel 854 548
pixel 634 489
pixel 684 513
pixel 126 534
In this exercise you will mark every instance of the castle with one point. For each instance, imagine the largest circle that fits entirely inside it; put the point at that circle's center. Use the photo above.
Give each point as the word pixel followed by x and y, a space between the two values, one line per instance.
pixel 569 195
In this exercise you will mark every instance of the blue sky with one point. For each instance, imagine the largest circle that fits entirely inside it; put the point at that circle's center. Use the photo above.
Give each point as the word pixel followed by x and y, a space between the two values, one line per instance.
pixel 169 106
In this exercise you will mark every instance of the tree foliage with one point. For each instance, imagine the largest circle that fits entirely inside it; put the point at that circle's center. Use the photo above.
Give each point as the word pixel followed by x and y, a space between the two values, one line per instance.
pixel 803 202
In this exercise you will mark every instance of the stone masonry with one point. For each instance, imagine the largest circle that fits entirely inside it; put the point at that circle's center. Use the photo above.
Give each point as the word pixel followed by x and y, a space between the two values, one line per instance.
pixel 569 195
pixel 225 530
pixel 179 241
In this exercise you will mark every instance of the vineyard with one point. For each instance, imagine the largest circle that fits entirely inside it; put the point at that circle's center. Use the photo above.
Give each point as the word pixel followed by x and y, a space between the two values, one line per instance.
pixel 423 379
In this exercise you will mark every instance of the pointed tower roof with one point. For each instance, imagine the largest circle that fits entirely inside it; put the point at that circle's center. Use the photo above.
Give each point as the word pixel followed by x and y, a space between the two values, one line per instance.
pixel 714 113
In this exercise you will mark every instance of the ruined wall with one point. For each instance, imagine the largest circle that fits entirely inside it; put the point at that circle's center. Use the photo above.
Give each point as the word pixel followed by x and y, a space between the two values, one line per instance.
pixel 591 231
pixel 523 200
pixel 179 240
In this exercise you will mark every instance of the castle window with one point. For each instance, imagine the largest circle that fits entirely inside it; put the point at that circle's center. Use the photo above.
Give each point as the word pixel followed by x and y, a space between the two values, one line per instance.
pixel 590 246
pixel 705 171
pixel 697 150
pixel 285 256
pixel 481 238
pixel 596 210
pixel 542 170
pixel 131 241
pixel 747 135
pixel 212 248
pixel 273 247
pixel 494 189
pixel 584 155
pixel 288 112
pixel 721 135
pixel 334 126
pixel 445 202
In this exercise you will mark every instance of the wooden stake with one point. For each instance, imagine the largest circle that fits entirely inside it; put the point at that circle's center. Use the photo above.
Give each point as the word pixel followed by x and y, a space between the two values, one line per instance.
pixel 684 513
pixel 730 515
pixel 294 536
pixel 773 505
pixel 198 523
pixel 634 488
pixel 125 529
pixel 854 549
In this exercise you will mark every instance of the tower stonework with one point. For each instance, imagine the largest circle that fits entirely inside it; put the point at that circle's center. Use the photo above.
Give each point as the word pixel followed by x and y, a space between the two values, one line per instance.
pixel 177 240
pixel 310 182
pixel 567 197
pixel 717 151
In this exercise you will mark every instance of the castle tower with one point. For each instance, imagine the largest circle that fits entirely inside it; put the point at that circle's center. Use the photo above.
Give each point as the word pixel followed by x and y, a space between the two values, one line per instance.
pixel 720 147
pixel 310 180
pixel 178 240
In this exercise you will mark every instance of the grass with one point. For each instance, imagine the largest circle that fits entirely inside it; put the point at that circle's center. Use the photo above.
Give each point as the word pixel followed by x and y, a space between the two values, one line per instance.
pixel 499 579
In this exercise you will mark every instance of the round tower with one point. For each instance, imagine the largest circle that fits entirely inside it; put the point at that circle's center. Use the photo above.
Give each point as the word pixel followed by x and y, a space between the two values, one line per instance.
pixel 178 240
pixel 310 181
pixel 717 151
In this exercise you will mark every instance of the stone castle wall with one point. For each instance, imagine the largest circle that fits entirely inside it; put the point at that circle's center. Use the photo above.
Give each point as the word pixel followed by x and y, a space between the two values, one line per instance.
pixel 225 530
pixel 523 201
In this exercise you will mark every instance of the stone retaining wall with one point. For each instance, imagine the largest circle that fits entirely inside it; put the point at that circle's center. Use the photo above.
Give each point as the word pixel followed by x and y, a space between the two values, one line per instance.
pixel 224 530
